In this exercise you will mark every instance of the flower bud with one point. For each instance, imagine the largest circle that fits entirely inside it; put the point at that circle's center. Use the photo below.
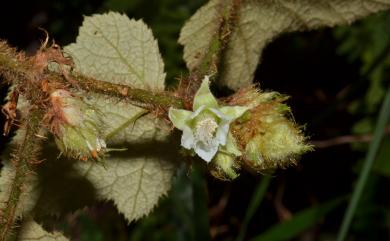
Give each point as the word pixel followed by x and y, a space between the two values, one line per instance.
pixel 224 165
pixel 76 126
pixel 268 137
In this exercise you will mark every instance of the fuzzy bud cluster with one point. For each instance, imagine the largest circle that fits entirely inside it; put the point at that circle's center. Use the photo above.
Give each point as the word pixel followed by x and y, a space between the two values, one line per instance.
pixel 268 136
pixel 252 130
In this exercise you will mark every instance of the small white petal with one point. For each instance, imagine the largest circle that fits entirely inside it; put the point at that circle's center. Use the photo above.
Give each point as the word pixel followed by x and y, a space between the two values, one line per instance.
pixel 222 132
pixel 206 152
pixel 187 139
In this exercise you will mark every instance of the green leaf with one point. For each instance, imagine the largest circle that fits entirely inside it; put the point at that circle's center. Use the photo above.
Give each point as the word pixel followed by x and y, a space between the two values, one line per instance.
pixel 113 48
pixel 383 119
pixel 32 231
pixel 257 24
pixel 382 162
pixel 299 222
pixel 125 123
pixel 134 182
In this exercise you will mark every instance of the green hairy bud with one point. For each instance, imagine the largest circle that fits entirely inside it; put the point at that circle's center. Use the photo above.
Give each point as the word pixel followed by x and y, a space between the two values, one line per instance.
pixel 225 165
pixel 269 137
pixel 75 125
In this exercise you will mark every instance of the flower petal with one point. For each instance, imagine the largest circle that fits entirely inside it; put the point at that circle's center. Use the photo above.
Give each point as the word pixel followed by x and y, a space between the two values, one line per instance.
pixel 187 139
pixel 206 152
pixel 233 112
pixel 179 117
pixel 222 132
pixel 204 96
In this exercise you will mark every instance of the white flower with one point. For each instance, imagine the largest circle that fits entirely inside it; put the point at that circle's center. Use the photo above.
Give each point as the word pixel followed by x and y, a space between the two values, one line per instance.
pixel 207 127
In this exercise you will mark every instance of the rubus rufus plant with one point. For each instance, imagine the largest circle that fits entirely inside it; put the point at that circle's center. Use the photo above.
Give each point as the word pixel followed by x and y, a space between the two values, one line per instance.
pixel 100 107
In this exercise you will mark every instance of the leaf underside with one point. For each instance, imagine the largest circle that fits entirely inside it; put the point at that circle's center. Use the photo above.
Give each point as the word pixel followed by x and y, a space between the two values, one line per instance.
pixel 113 48
pixel 258 22
pixel 32 231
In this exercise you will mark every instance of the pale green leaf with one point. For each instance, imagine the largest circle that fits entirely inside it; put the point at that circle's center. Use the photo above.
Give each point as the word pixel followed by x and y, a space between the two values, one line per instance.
pixel 125 123
pixel 32 231
pixel 113 48
pixel 258 23
pixel 135 184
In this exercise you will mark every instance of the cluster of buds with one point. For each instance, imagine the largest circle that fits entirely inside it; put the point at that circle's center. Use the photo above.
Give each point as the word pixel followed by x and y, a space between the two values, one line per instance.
pixel 252 130
pixel 268 135
pixel 76 126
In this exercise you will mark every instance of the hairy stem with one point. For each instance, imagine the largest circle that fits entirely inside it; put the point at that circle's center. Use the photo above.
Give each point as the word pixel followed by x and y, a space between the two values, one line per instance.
pixel 23 158
pixel 139 97
pixel 214 57
pixel 15 69
pixel 212 61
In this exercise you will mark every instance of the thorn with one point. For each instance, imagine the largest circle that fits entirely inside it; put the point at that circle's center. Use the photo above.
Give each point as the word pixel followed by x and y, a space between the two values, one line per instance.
pixel 46 39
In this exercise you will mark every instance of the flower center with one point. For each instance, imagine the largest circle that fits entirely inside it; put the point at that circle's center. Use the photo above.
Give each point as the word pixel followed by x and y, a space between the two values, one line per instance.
pixel 205 129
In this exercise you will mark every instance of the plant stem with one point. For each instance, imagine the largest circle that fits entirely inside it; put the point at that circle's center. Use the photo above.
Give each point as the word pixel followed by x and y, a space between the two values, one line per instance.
pixel 139 97
pixel 18 70
pixel 214 56
pixel 23 157
pixel 383 119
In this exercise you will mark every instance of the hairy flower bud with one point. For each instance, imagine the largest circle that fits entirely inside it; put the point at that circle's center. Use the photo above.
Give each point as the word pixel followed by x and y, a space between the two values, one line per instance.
pixel 76 126
pixel 224 165
pixel 268 137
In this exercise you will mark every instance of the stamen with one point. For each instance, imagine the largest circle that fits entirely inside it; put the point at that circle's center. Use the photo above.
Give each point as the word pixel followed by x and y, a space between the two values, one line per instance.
pixel 205 130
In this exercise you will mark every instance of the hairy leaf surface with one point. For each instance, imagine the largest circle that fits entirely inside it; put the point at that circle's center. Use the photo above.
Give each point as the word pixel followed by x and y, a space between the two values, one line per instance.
pixel 258 22
pixel 112 48
pixel 32 231
pixel 134 183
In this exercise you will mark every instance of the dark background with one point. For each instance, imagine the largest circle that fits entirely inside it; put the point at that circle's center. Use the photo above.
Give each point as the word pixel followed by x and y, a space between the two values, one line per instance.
pixel 336 79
